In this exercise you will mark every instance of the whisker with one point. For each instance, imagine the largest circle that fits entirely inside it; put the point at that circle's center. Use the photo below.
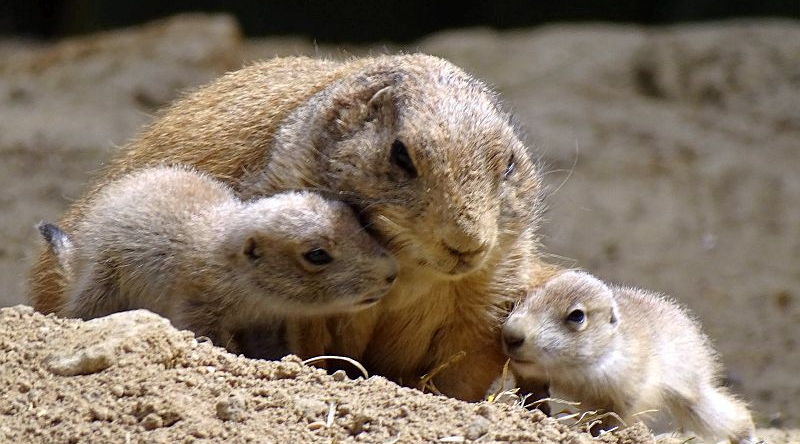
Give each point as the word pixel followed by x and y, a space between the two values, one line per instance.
pixel 569 174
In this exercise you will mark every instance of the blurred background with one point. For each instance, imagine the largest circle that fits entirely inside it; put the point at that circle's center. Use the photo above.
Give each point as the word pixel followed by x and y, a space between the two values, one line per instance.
pixel 669 131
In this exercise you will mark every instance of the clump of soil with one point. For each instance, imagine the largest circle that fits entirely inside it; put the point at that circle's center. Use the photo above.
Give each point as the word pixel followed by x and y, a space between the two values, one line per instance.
pixel 131 377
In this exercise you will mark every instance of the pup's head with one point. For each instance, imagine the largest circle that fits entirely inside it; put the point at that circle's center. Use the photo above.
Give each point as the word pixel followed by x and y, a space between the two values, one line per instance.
pixel 428 158
pixel 307 255
pixel 568 324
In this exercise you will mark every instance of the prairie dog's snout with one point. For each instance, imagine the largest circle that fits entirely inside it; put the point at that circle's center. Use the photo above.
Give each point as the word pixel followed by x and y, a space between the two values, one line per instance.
pixel 514 334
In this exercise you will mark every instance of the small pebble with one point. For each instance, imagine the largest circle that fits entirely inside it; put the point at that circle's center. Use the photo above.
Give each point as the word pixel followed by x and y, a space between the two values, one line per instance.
pixel 23 387
pixel 312 409
pixel 118 391
pixel 232 408
pixel 99 413
pixel 507 398
pixel 478 427
pixel 152 421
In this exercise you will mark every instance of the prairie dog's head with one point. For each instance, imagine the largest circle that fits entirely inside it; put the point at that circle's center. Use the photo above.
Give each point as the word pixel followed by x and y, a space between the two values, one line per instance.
pixel 306 255
pixel 427 156
pixel 568 324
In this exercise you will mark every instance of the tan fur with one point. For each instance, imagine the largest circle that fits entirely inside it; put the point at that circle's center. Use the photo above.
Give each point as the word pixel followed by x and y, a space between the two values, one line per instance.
pixel 634 351
pixel 462 231
pixel 181 244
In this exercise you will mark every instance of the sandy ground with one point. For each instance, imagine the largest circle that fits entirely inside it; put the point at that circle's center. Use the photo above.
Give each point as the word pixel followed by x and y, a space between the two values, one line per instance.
pixel 671 156
pixel 105 381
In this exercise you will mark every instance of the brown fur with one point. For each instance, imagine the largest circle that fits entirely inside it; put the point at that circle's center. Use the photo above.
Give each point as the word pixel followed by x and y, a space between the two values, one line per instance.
pixel 461 229
pixel 630 352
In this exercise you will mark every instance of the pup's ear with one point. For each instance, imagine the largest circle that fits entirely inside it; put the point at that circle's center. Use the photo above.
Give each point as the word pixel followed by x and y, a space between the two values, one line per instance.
pixel 56 238
pixel 251 250
pixel 57 241
pixel 614 318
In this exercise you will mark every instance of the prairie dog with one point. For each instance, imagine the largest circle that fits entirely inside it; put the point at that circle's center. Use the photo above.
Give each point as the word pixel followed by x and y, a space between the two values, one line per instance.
pixel 623 350
pixel 425 152
pixel 181 244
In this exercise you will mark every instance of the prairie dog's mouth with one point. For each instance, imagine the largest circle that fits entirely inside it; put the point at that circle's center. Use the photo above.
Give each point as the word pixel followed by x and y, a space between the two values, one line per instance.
pixel 428 253
pixel 370 299
pixel 525 366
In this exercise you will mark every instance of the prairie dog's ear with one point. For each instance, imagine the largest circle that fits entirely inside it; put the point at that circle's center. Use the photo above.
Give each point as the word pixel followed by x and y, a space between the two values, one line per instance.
pixel 614 315
pixel 368 99
pixel 57 241
pixel 381 104
pixel 251 250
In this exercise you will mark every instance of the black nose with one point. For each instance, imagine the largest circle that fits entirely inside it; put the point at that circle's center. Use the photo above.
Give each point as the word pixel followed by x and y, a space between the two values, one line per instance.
pixel 391 278
pixel 513 339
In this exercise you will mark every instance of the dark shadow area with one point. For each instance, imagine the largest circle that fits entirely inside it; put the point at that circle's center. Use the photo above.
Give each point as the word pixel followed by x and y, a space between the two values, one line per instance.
pixel 370 20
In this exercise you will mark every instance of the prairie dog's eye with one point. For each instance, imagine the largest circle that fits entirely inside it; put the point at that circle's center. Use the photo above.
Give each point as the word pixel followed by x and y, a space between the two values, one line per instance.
pixel 318 256
pixel 576 316
pixel 402 159
pixel 509 167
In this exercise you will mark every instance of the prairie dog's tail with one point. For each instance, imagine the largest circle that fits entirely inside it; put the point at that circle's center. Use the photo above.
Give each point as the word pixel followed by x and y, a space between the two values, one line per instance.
pixel 60 244
pixel 718 414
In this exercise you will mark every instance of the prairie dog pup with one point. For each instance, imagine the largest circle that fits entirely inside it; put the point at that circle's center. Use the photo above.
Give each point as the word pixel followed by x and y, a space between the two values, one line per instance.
pixel 180 244
pixel 623 350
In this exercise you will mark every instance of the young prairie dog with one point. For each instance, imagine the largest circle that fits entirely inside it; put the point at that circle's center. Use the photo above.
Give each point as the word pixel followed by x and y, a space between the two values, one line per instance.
pixel 622 350
pixel 180 244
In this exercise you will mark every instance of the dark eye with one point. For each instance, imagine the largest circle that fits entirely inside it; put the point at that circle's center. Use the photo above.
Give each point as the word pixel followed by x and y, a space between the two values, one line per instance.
pixel 576 316
pixel 401 158
pixel 318 256
pixel 509 167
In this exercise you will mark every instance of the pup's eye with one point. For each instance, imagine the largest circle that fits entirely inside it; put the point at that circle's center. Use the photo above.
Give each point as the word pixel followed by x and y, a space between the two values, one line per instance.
pixel 576 317
pixel 318 256
pixel 401 158
pixel 509 167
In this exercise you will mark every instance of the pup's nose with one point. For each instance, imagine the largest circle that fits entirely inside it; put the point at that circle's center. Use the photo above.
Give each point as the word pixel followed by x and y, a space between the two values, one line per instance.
pixel 513 338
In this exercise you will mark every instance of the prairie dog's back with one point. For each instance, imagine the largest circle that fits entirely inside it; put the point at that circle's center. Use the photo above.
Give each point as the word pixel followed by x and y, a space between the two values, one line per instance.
pixel 669 335
pixel 135 230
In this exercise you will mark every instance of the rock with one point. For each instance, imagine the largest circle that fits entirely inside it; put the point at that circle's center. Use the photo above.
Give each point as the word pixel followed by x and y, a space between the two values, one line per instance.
pixel 232 408
pixel 81 362
pixel 478 427
pixel 152 421
pixel 312 409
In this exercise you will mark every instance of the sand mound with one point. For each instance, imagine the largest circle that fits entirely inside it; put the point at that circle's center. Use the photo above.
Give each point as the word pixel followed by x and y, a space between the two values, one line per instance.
pixel 131 377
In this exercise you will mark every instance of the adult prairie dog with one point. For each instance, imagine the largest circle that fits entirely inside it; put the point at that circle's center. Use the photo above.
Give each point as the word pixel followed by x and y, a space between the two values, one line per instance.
pixel 180 244
pixel 623 350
